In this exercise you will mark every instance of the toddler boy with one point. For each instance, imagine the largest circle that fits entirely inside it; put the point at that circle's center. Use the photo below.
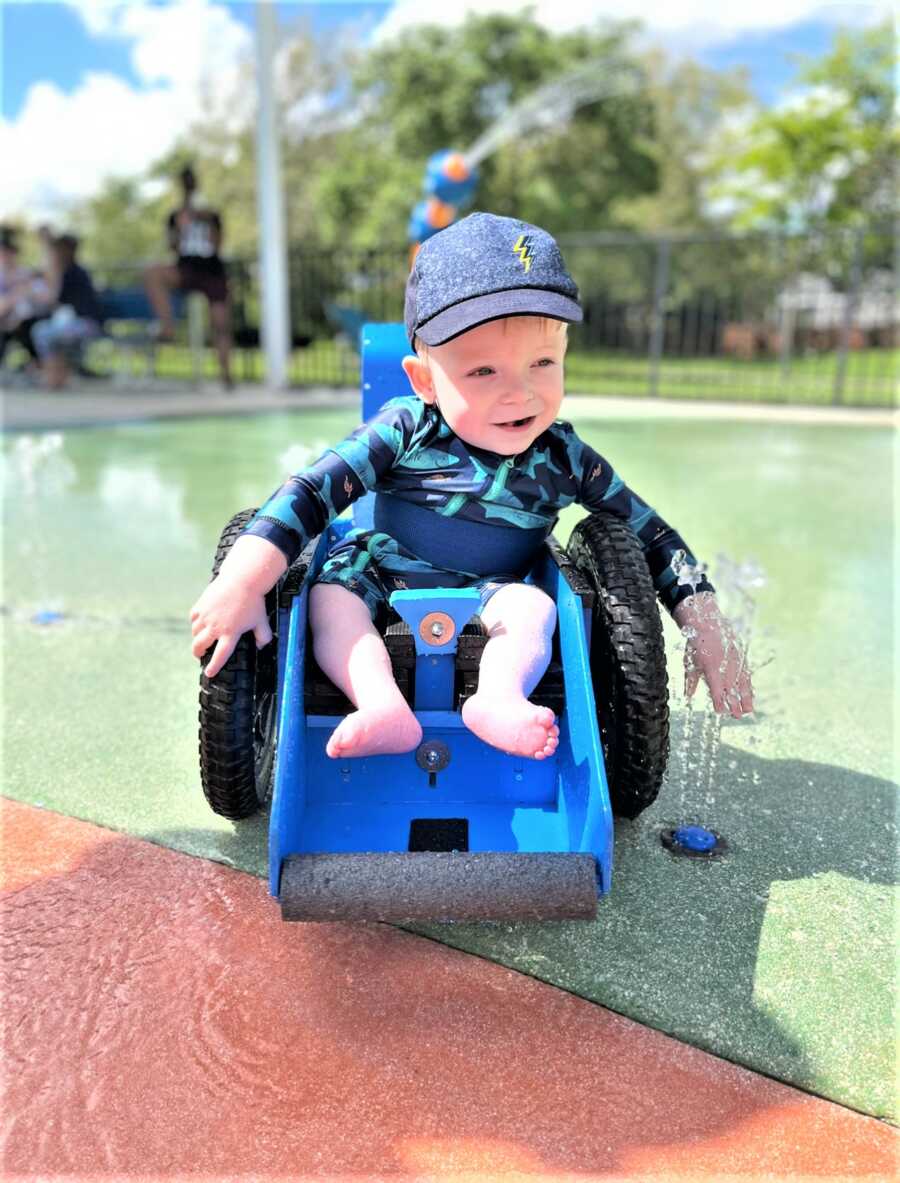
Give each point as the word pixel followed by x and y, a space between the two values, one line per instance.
pixel 470 473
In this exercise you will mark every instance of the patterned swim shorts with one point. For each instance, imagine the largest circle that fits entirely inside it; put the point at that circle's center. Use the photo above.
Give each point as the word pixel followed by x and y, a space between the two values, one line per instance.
pixel 373 565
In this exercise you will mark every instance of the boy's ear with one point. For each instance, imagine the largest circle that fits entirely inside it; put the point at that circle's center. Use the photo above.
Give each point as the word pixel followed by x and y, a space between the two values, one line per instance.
pixel 419 375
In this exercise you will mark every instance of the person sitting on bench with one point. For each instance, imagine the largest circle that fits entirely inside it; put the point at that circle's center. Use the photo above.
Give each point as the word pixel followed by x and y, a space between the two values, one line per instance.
pixel 24 298
pixel 76 318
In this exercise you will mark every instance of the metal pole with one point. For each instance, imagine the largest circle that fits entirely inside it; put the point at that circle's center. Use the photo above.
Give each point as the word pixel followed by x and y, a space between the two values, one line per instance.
pixel 785 340
pixel 853 284
pixel 275 327
pixel 658 331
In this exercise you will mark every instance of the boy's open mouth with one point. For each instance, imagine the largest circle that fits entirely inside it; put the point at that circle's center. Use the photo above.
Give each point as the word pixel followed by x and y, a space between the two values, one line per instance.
pixel 514 423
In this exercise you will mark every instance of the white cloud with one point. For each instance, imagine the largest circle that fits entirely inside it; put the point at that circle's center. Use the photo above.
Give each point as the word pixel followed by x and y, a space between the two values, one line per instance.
pixel 692 23
pixel 64 144
pixel 192 56
pixel 189 55
pixel 190 45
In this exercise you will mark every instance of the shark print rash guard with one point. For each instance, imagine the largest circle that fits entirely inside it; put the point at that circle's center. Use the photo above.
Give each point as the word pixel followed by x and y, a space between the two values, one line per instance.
pixel 433 490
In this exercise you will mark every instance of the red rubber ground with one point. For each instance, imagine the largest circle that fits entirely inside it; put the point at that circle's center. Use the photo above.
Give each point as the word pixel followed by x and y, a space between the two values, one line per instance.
pixel 159 1022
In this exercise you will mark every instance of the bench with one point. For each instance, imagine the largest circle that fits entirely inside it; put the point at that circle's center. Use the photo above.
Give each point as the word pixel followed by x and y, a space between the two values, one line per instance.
pixel 129 320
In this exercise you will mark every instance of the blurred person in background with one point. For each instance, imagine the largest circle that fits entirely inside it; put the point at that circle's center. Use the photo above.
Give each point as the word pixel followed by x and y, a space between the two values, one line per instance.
pixel 76 317
pixel 194 234
pixel 24 298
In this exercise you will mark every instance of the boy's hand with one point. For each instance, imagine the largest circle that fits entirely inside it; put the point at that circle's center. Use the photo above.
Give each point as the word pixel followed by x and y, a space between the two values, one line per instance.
pixel 713 649
pixel 221 616
pixel 235 602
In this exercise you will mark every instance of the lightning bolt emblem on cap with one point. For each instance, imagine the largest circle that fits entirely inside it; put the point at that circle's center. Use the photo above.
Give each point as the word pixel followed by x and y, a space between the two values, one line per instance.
pixel 522 247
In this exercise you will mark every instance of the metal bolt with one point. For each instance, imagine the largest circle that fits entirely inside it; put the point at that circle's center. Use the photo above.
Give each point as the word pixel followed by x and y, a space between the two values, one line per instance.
pixel 437 629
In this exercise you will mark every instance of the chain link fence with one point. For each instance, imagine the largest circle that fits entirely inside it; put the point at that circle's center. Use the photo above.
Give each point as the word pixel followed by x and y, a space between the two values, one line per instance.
pixel 770 318
pixel 767 318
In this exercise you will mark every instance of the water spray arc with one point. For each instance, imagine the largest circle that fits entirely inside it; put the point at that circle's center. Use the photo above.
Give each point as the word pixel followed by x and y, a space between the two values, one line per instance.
pixel 451 175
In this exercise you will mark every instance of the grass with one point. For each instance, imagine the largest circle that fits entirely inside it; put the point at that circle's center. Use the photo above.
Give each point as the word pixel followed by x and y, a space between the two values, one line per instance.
pixel 870 375
pixel 869 378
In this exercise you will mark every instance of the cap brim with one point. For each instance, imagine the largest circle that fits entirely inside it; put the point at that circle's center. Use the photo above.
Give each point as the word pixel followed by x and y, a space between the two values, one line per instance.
pixel 480 309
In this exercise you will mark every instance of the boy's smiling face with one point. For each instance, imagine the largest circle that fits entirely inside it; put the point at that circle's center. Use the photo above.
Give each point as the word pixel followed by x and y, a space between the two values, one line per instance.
pixel 499 385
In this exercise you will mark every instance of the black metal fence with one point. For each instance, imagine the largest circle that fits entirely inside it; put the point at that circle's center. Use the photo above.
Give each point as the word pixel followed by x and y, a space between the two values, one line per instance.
pixel 768 318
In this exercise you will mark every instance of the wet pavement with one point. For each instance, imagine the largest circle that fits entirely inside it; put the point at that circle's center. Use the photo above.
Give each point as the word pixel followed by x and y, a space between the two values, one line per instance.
pixel 779 957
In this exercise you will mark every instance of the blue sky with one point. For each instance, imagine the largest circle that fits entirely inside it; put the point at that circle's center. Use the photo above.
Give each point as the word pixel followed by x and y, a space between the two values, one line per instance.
pixel 49 42
pixel 80 78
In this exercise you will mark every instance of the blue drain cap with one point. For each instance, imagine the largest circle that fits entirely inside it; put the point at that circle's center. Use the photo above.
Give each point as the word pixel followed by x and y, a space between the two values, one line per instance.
pixel 695 838
pixel 47 616
pixel 694 841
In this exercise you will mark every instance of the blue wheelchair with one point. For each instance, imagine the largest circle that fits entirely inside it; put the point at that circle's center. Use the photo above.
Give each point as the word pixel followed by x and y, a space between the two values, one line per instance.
pixel 455 830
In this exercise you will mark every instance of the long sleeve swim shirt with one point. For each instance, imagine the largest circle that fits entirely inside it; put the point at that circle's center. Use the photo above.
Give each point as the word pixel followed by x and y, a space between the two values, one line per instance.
pixel 409 452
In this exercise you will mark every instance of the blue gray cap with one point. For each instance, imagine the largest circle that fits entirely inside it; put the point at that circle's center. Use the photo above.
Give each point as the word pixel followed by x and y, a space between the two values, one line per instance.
pixel 482 268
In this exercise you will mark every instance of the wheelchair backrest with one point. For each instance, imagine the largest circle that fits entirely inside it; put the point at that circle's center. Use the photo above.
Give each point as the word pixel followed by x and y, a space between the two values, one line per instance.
pixel 383 348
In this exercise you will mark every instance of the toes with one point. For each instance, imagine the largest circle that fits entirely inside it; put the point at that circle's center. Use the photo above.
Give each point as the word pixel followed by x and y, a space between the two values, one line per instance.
pixel 550 745
pixel 338 743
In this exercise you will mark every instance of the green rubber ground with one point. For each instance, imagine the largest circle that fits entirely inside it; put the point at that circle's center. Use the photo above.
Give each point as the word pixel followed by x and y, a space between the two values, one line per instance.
pixel 780 956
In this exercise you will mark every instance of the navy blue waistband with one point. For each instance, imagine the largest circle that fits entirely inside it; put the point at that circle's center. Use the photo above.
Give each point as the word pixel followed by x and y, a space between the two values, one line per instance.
pixel 455 544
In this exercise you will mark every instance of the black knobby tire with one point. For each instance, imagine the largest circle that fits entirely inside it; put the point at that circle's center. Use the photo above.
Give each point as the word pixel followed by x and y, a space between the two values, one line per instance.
pixel 628 661
pixel 237 712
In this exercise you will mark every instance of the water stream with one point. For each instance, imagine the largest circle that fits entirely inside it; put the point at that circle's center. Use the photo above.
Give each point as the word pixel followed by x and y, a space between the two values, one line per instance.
pixel 554 104
pixel 696 754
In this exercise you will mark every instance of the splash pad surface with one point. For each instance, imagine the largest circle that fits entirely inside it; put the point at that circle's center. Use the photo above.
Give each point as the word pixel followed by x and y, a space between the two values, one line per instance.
pixel 777 956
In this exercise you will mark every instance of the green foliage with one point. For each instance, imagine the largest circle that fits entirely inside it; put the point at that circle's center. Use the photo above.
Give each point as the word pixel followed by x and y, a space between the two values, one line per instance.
pixel 435 88
pixel 360 122
pixel 121 225
pixel 828 156
pixel 689 103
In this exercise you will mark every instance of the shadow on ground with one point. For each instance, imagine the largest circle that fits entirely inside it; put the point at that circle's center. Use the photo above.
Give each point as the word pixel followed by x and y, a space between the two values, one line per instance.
pixel 778 955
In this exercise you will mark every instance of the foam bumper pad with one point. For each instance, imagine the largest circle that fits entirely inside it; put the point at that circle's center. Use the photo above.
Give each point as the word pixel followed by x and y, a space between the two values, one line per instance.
pixel 439 886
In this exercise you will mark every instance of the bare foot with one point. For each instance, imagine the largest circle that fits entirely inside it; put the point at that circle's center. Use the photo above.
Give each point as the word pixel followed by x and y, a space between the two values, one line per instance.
pixel 513 725
pixel 376 731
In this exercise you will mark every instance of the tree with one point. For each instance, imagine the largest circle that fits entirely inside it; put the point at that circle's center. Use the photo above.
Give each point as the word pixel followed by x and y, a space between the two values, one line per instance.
pixel 690 102
pixel 434 88
pixel 120 226
pixel 825 157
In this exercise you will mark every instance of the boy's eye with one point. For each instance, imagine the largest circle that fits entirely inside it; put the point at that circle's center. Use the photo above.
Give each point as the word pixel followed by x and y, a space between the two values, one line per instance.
pixel 545 361
pixel 481 372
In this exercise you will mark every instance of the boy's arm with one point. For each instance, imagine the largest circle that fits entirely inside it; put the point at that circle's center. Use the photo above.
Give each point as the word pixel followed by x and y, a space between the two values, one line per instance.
pixel 234 602
pixel 673 567
pixel 712 648
pixel 309 500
